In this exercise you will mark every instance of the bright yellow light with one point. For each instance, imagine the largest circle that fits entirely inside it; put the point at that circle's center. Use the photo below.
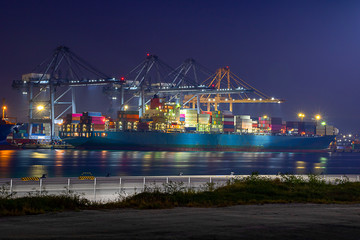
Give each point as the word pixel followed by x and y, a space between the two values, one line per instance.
pixel 40 107
pixel 301 115
pixel 126 107
pixel 318 117
pixel 4 107
pixel 265 116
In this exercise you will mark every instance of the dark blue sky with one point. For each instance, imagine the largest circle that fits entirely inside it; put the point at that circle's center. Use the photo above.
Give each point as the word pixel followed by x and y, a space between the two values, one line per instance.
pixel 306 52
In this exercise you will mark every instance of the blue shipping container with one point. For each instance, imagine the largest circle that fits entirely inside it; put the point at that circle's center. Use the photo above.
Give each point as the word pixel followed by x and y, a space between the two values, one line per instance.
pixel 94 114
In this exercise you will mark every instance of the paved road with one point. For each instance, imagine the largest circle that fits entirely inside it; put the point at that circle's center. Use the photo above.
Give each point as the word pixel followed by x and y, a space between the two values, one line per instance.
pixel 287 221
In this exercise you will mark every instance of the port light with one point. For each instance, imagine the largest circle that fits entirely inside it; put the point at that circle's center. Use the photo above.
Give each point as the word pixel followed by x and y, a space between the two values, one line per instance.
pixel 126 107
pixel 40 107
pixel 4 107
pixel 323 123
pixel 318 117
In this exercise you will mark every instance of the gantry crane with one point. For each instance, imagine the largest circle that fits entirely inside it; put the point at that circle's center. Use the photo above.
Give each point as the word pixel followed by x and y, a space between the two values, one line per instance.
pixel 153 76
pixel 51 82
pixel 224 79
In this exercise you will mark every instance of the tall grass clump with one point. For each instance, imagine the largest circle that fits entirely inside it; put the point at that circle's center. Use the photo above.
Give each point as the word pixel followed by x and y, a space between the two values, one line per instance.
pixel 253 189
pixel 37 203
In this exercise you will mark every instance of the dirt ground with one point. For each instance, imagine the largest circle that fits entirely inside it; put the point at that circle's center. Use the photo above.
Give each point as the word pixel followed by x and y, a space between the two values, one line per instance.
pixel 273 221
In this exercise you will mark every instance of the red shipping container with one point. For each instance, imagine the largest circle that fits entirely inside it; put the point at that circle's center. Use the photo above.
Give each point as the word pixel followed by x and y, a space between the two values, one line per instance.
pixel 98 123
pixel 98 119
pixel 131 116
pixel 228 130
pixel 205 112
pixel 229 123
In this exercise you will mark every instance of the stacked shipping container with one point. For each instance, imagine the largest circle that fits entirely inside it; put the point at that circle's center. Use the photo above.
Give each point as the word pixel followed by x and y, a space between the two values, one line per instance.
pixel 228 120
pixel 325 130
pixel 128 120
pixel 264 124
pixel 217 121
pixel 191 119
pixel 275 124
pixel 75 118
pixel 93 119
pixel 243 123
pixel 204 122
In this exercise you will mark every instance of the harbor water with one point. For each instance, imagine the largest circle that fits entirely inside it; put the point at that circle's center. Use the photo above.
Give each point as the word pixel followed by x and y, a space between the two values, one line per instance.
pixel 73 163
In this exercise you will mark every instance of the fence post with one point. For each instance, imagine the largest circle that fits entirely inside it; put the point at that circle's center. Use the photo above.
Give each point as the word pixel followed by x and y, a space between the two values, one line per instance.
pixel 144 184
pixel 357 178
pixel 189 182
pixel 11 185
pixel 210 179
pixel 120 186
pixel 94 189
pixel 68 185
pixel 167 179
pixel 40 185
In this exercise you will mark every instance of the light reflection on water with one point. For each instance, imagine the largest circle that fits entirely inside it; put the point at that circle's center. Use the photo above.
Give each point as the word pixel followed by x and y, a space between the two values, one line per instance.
pixel 71 163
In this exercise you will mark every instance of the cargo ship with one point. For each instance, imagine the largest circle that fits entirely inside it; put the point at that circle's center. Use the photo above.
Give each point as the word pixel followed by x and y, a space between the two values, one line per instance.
pixel 167 127
pixel 160 141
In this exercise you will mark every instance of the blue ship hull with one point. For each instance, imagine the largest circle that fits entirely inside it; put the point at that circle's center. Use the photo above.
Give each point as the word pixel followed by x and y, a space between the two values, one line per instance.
pixel 197 141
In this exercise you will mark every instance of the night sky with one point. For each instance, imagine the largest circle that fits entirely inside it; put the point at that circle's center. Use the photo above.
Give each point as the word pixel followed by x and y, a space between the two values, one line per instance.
pixel 306 52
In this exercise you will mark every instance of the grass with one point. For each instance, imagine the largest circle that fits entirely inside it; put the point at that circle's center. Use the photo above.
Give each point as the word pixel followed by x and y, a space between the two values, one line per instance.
pixel 250 190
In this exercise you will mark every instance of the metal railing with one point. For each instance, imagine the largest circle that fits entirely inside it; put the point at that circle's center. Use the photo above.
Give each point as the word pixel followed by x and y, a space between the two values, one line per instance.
pixel 115 188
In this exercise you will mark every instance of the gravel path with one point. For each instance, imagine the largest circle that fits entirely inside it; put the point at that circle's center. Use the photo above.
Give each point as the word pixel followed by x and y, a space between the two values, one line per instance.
pixel 273 221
